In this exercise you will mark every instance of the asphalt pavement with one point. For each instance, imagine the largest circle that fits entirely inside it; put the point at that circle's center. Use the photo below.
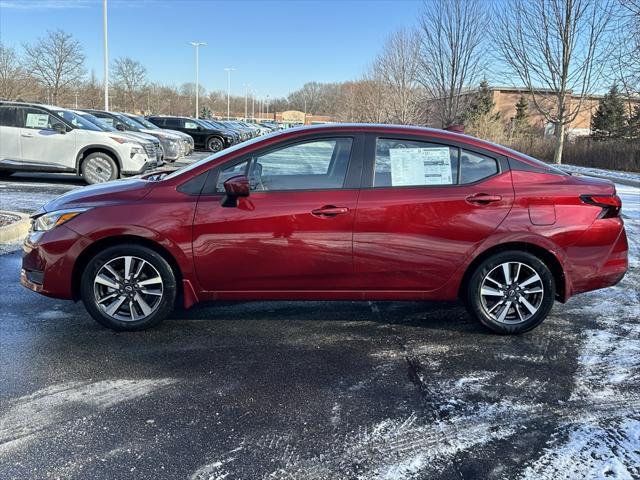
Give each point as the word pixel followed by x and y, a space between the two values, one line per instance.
pixel 317 390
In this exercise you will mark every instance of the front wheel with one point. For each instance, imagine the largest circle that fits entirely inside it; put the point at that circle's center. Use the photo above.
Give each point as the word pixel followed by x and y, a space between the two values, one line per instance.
pixel 128 287
pixel 215 144
pixel 511 292
pixel 98 168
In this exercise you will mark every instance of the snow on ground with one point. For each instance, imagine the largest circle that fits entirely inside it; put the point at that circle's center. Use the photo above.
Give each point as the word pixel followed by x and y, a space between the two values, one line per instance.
pixel 599 172
pixel 590 446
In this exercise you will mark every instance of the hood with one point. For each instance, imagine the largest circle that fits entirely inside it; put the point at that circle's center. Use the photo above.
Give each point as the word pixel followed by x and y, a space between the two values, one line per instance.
pixel 144 136
pixel 160 134
pixel 108 193
pixel 176 132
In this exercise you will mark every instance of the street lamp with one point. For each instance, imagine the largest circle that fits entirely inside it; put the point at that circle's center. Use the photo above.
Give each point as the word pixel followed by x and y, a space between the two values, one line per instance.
pixel 246 94
pixel 197 45
pixel 106 56
pixel 253 105
pixel 267 107
pixel 228 70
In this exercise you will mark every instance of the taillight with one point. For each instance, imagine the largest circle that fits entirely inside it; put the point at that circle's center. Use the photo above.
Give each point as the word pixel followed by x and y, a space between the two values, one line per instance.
pixel 610 204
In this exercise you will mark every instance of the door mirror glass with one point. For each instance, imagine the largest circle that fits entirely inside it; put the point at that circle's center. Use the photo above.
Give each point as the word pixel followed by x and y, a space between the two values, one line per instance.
pixel 234 188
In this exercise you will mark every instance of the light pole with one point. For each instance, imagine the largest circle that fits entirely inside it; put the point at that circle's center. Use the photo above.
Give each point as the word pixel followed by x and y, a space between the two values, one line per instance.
pixel 228 70
pixel 106 56
pixel 246 94
pixel 197 45
pixel 267 107
pixel 76 94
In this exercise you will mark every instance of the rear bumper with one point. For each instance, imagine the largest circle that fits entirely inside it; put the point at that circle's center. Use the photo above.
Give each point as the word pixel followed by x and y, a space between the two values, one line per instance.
pixel 48 260
pixel 600 258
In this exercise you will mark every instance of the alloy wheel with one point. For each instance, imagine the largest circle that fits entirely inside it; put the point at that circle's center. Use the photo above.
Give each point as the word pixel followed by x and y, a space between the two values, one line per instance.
pixel 215 145
pixel 511 293
pixel 128 288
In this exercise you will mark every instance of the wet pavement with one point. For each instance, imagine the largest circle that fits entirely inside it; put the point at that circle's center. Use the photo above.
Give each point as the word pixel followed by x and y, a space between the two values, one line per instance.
pixel 319 390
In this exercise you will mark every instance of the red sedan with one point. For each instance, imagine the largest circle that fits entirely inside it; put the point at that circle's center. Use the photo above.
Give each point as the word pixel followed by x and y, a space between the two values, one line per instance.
pixel 339 212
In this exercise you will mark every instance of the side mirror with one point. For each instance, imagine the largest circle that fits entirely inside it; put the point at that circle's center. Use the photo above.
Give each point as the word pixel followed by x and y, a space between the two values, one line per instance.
pixel 200 128
pixel 120 127
pixel 60 128
pixel 235 187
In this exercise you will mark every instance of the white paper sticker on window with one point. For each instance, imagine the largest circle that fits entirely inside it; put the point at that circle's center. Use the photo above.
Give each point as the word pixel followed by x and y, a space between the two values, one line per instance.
pixel 420 166
pixel 37 120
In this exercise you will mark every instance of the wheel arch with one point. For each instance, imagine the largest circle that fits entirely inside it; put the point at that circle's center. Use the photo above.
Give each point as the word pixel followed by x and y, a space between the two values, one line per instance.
pixel 99 245
pixel 548 257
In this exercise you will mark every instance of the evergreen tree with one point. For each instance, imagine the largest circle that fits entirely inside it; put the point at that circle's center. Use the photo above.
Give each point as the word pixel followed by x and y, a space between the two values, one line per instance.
pixel 205 112
pixel 521 120
pixel 634 123
pixel 482 103
pixel 480 120
pixel 610 119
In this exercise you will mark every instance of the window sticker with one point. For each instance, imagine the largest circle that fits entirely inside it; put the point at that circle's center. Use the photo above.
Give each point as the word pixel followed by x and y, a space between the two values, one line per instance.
pixel 420 166
pixel 37 120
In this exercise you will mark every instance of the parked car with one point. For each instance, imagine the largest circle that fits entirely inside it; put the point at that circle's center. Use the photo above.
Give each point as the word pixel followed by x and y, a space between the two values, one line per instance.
pixel 187 140
pixel 150 143
pixel 44 138
pixel 235 136
pixel 120 122
pixel 204 137
pixel 172 144
pixel 338 212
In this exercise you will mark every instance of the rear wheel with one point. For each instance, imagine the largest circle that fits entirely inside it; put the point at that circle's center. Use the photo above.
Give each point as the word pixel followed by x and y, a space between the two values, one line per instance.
pixel 98 167
pixel 128 287
pixel 511 292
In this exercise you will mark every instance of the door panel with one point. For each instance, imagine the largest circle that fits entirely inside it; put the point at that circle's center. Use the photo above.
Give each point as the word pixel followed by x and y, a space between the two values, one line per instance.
pixel 273 241
pixel 414 238
pixel 42 145
pixel 295 230
pixel 10 144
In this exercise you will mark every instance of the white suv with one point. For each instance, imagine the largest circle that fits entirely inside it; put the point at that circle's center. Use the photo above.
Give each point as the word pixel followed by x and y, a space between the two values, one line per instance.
pixel 48 139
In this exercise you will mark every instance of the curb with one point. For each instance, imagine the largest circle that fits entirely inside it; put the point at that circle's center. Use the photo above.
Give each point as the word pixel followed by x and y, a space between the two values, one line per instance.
pixel 15 231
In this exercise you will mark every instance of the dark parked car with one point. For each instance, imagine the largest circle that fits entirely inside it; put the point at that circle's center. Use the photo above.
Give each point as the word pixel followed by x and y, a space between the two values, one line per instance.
pixel 337 212
pixel 205 137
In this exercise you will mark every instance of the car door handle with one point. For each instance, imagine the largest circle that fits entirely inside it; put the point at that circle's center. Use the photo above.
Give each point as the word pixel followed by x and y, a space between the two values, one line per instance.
pixel 483 198
pixel 27 135
pixel 330 211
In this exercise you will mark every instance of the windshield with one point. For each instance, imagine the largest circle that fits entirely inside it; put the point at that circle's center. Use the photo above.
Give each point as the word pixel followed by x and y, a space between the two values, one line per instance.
pixel 127 121
pixel 99 123
pixel 77 121
pixel 145 123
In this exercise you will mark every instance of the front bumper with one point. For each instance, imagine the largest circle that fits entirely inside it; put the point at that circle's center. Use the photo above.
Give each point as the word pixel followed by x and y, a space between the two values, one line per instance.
pixel 148 165
pixel 48 261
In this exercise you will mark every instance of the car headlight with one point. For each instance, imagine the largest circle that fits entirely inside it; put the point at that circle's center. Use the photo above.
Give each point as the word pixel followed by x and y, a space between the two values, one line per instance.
pixel 136 149
pixel 48 221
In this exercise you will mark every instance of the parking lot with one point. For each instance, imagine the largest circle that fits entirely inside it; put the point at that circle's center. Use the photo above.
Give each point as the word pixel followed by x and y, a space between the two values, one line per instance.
pixel 340 390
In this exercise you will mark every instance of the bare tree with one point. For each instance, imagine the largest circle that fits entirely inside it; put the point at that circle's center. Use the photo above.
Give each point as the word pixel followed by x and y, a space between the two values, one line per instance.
pixel 452 58
pixel 558 46
pixel 56 60
pixel 12 74
pixel 398 68
pixel 130 76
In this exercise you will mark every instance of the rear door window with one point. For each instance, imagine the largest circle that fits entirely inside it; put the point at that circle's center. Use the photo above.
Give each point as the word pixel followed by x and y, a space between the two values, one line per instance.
pixel 401 163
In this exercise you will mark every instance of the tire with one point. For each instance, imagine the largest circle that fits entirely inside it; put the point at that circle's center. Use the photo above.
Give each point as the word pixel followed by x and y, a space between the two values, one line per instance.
pixel 98 167
pixel 214 144
pixel 131 314
pixel 511 308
